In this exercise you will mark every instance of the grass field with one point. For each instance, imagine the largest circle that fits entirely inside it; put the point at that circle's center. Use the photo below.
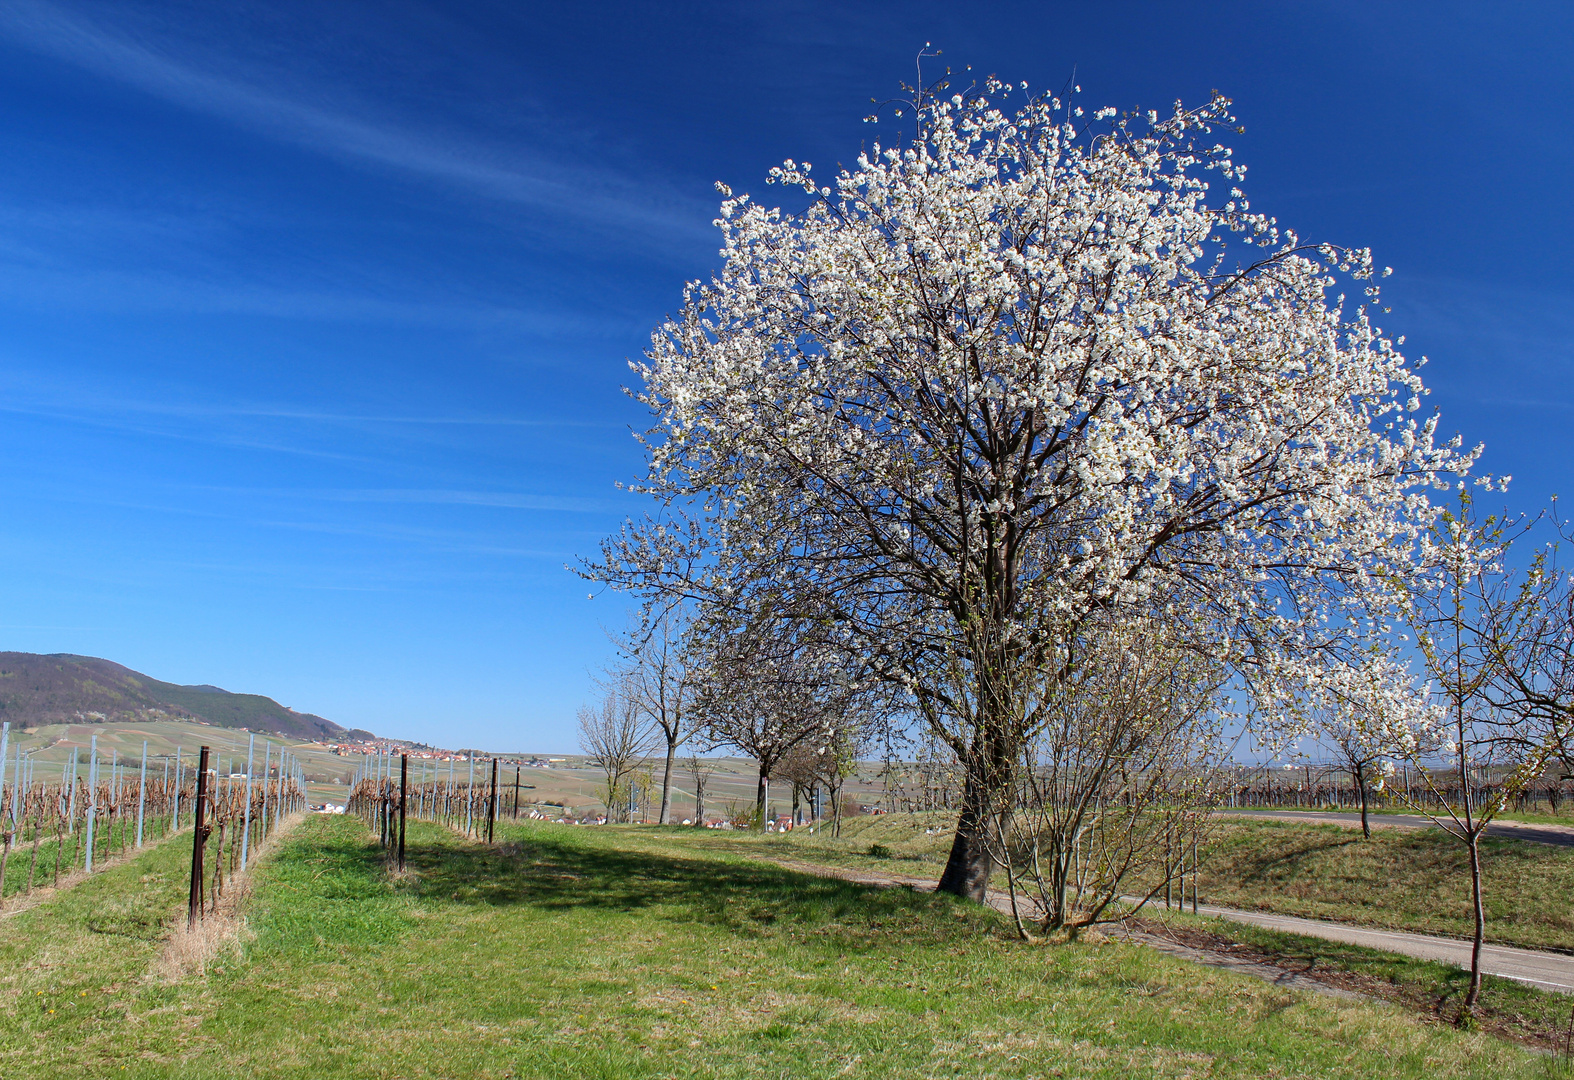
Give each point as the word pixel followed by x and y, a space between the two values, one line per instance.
pixel 1538 813
pixel 1429 989
pixel 640 953
pixel 1400 879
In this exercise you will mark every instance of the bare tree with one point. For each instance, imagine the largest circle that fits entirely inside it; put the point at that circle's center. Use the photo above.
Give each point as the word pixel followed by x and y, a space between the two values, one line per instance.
pixel 1534 643
pixel 799 768
pixel 1359 757
pixel 701 769
pixel 615 738
pixel 839 763
pixel 1118 783
pixel 658 676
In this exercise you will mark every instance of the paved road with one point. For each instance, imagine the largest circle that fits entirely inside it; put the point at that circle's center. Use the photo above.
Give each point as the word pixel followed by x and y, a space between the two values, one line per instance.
pixel 1549 971
pixel 1560 835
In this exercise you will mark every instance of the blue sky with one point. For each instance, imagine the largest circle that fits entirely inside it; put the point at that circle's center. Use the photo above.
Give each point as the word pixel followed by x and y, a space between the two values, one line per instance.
pixel 314 318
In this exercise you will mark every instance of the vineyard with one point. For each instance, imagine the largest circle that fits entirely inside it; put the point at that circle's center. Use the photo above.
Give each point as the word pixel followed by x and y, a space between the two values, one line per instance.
pixel 95 811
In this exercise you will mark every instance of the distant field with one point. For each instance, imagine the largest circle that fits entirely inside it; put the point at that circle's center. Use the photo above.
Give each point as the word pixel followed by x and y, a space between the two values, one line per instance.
pixel 731 785
pixel 730 788
pixel 326 772
pixel 627 952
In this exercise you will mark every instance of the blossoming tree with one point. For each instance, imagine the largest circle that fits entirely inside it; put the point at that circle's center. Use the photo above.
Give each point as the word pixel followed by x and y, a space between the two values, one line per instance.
pixel 1027 367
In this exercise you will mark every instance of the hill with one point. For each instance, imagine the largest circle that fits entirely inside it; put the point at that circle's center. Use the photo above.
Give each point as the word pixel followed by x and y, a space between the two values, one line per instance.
pixel 59 688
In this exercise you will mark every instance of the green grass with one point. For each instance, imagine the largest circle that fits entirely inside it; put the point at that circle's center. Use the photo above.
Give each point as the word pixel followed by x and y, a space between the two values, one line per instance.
pixel 1400 879
pixel 641 953
pixel 109 842
pixel 1537 814
pixel 1428 987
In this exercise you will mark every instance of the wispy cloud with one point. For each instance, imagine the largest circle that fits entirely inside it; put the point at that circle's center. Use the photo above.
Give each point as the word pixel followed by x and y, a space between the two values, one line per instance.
pixel 275 103
pixel 61 286
pixel 30 394
pixel 440 497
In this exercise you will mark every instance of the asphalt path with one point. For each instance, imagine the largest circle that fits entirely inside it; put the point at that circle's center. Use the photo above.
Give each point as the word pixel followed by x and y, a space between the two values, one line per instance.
pixel 1549 971
pixel 1558 835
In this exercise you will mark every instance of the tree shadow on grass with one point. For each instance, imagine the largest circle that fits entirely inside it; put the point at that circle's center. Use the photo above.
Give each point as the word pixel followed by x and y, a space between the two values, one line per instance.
pixel 1269 865
pixel 572 872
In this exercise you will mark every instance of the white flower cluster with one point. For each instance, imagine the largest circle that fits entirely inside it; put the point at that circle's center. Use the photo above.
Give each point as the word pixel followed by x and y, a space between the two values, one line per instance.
pixel 1015 373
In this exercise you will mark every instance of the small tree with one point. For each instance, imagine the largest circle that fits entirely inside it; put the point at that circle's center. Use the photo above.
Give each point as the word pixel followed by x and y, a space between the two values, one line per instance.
pixel 701 770
pixel 1534 640
pixel 1361 761
pixel 1118 782
pixel 800 768
pixel 1482 628
pixel 658 676
pixel 771 688
pixel 615 739
pixel 1350 710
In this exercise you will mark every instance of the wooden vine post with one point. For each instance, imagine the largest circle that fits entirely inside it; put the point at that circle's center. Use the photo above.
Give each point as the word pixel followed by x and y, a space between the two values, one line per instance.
pixel 198 840
pixel 491 805
pixel 404 789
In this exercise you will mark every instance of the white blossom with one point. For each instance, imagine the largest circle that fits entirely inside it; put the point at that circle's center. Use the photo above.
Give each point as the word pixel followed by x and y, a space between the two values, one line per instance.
pixel 986 384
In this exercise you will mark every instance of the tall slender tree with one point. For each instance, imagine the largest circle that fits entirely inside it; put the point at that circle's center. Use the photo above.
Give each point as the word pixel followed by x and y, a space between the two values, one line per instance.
pixel 615 737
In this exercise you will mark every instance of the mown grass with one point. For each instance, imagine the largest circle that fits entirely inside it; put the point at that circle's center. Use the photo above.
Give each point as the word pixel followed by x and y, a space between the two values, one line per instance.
pixel 639 953
pixel 1399 879
pixel 72 967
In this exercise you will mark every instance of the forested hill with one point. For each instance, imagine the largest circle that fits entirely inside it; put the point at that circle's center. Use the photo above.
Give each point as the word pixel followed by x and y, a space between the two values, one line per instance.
pixel 61 688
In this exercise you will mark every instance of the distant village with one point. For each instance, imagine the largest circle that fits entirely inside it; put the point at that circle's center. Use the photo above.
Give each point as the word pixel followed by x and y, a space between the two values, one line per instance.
pixel 423 752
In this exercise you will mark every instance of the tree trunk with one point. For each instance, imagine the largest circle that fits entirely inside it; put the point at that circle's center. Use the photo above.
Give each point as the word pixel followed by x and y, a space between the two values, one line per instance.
pixel 759 796
pixel 967 869
pixel 1481 920
pixel 986 776
pixel 1360 782
pixel 666 783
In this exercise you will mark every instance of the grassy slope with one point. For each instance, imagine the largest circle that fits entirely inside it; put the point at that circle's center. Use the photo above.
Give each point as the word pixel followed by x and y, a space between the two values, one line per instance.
pixel 1537 814
pixel 1399 879
pixel 611 953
